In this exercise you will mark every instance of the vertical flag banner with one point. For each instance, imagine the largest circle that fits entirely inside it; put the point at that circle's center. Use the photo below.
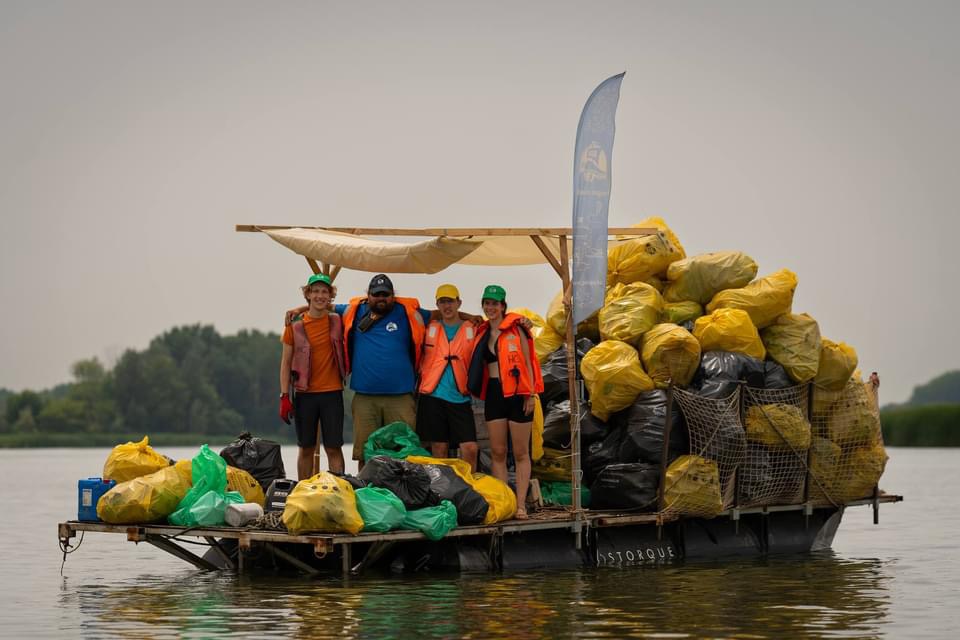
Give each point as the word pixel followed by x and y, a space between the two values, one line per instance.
pixel 591 197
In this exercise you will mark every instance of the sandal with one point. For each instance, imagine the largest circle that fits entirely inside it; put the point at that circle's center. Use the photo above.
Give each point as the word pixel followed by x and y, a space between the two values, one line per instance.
pixel 521 515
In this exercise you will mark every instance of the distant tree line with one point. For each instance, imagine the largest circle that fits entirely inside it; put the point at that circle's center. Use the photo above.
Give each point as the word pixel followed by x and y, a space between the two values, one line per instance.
pixel 190 381
pixel 930 418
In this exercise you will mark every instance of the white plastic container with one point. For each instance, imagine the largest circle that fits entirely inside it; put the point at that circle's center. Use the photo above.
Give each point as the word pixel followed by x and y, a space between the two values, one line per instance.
pixel 240 515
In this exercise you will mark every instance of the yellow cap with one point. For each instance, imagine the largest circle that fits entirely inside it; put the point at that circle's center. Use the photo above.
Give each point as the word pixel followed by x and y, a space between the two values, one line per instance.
pixel 448 291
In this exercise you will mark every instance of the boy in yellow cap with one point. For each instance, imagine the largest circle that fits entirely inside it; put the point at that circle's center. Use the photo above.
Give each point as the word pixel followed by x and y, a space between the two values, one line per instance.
pixel 444 411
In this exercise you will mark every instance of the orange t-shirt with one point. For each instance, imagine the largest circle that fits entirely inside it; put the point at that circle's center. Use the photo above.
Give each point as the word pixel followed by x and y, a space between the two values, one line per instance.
pixel 324 374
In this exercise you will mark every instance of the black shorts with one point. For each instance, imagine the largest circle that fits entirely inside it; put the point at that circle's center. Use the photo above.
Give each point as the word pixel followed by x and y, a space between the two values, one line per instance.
pixel 325 408
pixel 442 421
pixel 496 407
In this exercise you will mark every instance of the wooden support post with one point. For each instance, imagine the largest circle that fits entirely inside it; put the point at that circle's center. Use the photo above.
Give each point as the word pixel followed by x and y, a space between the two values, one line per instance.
pixel 163 543
pixel 325 268
pixel 548 254
pixel 346 559
pixel 291 560
pixel 313 265
pixel 572 391
pixel 335 272
pixel 218 548
pixel 665 449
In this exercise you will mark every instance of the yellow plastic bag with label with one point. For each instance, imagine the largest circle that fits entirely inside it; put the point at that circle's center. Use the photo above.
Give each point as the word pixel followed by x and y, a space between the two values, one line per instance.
pixel 838 361
pixel 246 485
pixel 638 259
pixel 692 487
pixel 629 311
pixel 670 354
pixel 501 499
pixel 680 312
pixel 322 503
pixel 793 340
pixel 614 377
pixel 554 465
pixel 729 330
pixel 545 339
pixel 701 277
pixel 132 460
pixel 763 299
pixel 778 426
pixel 557 320
pixel 145 498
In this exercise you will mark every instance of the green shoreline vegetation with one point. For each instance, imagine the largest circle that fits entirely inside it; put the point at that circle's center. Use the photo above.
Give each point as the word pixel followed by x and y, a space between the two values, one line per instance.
pixel 192 386
pixel 188 387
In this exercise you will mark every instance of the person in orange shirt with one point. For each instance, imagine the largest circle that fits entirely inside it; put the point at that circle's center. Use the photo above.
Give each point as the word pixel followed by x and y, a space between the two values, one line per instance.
pixel 312 362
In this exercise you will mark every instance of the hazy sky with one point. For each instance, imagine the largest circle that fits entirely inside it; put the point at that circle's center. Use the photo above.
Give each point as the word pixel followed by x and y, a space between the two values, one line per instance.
pixel 821 137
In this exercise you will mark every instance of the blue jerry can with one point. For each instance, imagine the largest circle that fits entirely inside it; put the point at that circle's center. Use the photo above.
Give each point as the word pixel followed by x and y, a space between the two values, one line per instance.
pixel 89 492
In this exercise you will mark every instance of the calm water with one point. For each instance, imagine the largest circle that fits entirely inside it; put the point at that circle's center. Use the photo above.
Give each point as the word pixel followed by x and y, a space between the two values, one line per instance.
pixel 898 579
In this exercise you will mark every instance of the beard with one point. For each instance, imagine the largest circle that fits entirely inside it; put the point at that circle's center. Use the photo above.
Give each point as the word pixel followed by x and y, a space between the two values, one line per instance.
pixel 381 306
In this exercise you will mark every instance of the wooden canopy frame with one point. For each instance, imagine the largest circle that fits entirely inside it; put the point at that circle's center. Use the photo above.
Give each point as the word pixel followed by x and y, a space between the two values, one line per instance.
pixel 560 264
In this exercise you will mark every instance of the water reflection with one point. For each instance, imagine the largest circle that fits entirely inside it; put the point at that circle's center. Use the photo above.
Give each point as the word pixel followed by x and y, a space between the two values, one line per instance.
pixel 800 596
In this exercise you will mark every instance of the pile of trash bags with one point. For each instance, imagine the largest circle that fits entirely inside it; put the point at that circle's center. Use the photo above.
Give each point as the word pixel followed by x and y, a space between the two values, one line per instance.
pixel 708 325
pixel 400 487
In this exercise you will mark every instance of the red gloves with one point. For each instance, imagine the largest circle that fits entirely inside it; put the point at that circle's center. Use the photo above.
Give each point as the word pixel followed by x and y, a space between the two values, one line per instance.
pixel 286 408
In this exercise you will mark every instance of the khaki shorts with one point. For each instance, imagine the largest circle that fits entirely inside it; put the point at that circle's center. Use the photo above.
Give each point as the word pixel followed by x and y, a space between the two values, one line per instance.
pixel 372 412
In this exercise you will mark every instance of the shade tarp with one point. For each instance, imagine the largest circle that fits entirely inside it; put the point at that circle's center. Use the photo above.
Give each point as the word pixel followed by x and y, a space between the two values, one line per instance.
pixel 428 256
pixel 363 254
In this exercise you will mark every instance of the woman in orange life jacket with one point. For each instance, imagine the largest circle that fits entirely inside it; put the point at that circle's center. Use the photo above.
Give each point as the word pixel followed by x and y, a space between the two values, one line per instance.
pixel 506 376
pixel 312 362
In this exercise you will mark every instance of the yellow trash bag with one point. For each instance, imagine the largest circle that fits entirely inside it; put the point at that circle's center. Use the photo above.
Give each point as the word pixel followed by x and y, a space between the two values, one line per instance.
pixel 555 465
pixel 536 431
pixel 145 498
pixel 670 354
pixel 245 484
pixel 614 377
pixel 853 420
pixel 557 320
pixel 860 471
pixel 778 426
pixel 501 499
pixel 729 330
pixel 680 312
pixel 824 464
pixel 638 259
pixel 838 361
pixel 763 299
pixel 629 311
pixel 322 503
pixel 793 340
pixel 659 224
pixel 545 339
pixel 701 277
pixel 693 487
pixel 132 460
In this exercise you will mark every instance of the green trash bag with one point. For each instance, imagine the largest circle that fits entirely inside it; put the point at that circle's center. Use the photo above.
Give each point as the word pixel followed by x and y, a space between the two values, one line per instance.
pixel 396 440
pixel 380 509
pixel 208 472
pixel 561 493
pixel 433 522
pixel 207 511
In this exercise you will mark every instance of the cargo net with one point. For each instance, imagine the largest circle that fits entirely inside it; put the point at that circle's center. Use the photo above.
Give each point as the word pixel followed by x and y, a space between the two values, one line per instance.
pixel 702 483
pixel 774 470
pixel 847 456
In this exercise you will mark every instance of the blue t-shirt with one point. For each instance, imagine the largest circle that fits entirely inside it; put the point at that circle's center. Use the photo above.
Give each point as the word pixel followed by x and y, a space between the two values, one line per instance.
pixel 381 357
pixel 447 387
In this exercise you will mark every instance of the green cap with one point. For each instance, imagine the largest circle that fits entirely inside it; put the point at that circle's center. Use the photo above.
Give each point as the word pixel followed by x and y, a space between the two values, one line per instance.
pixel 494 292
pixel 319 277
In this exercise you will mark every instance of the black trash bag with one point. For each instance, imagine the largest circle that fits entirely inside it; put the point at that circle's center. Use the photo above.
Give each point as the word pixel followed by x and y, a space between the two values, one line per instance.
pixel 444 481
pixel 409 482
pixel 688 325
pixel 602 454
pixel 724 442
pixel 260 458
pixel 643 424
pixel 720 371
pixel 770 477
pixel 554 372
pixel 556 427
pixel 354 481
pixel 626 486
pixel 775 376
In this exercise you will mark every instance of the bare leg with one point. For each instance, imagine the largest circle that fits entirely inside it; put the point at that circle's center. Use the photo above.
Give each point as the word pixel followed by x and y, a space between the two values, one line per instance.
pixel 498 448
pixel 334 459
pixel 469 452
pixel 305 462
pixel 520 436
pixel 440 449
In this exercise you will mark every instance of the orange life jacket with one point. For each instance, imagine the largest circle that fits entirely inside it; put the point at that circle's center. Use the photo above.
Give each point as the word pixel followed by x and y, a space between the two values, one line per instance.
pixel 300 366
pixel 410 305
pixel 438 352
pixel 514 373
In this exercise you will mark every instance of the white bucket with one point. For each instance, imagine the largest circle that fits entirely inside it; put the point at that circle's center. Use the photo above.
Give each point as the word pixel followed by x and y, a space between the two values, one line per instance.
pixel 239 515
